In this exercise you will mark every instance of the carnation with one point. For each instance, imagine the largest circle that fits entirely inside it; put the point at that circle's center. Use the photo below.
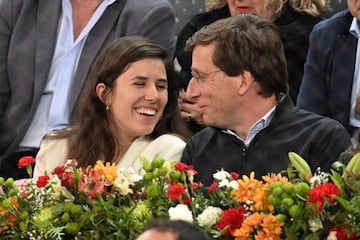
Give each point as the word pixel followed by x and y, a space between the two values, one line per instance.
pixel 221 175
pixel 209 216
pixel 180 212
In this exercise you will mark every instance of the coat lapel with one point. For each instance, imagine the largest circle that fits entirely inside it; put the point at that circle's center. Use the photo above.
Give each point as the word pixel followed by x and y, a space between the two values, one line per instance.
pixel 344 54
pixel 46 33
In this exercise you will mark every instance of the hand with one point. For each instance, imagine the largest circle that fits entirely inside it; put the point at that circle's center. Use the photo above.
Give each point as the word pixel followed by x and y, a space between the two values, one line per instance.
pixel 189 111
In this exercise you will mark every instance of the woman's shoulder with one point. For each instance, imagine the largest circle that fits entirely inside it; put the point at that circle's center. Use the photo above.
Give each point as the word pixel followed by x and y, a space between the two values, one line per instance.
pixel 169 139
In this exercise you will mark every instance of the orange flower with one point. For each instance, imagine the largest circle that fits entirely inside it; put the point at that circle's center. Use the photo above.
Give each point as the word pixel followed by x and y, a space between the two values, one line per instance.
pixel 271 227
pixel 107 171
pixel 248 227
pixel 247 188
pixel 272 177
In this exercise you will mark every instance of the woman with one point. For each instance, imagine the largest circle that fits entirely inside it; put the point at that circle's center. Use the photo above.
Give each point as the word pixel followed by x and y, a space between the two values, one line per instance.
pixel 294 19
pixel 127 108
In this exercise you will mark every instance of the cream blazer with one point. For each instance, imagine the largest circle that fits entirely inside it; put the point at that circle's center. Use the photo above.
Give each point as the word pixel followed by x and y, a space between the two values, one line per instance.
pixel 53 152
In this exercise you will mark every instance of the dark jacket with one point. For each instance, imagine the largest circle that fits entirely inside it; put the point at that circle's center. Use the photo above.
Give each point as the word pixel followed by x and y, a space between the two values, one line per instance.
pixel 294 29
pixel 329 69
pixel 318 139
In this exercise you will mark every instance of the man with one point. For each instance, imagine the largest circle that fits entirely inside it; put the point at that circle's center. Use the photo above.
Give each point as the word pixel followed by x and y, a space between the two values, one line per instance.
pixel 46 51
pixel 240 83
pixel 331 83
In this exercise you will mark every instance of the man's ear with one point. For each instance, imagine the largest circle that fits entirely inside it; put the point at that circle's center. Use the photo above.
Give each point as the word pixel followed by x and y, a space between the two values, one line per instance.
pixel 245 82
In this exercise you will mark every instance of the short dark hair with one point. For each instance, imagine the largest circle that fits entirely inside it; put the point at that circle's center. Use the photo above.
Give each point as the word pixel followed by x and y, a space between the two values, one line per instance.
pixel 246 42
pixel 183 230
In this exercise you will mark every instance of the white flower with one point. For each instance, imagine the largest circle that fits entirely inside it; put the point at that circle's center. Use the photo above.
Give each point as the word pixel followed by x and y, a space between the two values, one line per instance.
pixel 315 224
pixel 209 216
pixel 332 236
pixel 231 184
pixel 60 190
pixel 180 212
pixel 126 177
pixel 221 175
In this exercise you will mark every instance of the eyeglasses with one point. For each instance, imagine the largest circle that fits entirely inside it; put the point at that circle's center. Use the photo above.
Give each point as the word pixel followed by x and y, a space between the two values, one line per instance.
pixel 201 77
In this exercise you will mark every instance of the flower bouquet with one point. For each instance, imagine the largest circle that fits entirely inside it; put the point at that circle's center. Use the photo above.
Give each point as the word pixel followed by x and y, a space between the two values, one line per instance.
pixel 103 201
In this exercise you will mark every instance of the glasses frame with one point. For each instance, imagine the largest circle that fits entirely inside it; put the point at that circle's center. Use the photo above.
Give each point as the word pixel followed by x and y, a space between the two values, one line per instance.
pixel 201 77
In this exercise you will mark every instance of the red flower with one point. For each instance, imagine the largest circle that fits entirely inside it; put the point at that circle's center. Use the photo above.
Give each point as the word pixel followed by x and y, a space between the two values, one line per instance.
pixel 321 192
pixel 213 187
pixel 342 234
pixel 59 171
pixel 42 181
pixel 181 166
pixel 175 192
pixel 234 175
pixel 25 161
pixel 231 219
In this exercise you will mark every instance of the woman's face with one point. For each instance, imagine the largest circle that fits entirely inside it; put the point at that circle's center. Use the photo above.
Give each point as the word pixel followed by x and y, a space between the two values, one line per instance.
pixel 256 7
pixel 138 98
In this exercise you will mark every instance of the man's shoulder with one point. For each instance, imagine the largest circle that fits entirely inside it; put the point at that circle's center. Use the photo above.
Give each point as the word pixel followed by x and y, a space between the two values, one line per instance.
pixel 338 22
pixel 141 4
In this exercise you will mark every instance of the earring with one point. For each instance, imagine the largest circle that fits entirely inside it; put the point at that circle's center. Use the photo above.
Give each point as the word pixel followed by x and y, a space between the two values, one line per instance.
pixel 107 108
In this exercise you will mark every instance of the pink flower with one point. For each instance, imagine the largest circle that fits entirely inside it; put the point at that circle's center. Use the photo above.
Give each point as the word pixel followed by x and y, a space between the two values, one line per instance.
pixel 92 185
pixel 213 187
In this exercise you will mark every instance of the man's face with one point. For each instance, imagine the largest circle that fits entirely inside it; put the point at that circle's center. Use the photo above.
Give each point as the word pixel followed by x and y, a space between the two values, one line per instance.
pixel 354 7
pixel 211 89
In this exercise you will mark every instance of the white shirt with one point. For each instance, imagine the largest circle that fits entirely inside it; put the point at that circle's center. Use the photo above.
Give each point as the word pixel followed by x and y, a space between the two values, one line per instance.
pixel 355 30
pixel 53 111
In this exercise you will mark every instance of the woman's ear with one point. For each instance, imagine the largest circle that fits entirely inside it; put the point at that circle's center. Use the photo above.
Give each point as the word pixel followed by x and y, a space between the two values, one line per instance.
pixel 101 91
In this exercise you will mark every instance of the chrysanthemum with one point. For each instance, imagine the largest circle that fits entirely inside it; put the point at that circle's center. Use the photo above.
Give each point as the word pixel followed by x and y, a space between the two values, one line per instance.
pixel 271 227
pixel 248 227
pixel 247 188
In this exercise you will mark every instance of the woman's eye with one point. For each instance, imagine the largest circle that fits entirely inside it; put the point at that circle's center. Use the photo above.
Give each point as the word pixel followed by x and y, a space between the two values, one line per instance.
pixel 139 83
pixel 162 86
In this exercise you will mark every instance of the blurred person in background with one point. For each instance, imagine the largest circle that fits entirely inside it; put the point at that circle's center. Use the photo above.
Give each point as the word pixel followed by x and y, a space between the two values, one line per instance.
pixel 331 84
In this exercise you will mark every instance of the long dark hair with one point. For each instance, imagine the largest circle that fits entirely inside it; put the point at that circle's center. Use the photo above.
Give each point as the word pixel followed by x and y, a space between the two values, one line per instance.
pixel 92 136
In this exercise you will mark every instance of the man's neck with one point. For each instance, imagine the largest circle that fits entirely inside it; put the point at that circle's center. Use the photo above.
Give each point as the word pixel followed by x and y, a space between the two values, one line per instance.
pixel 82 11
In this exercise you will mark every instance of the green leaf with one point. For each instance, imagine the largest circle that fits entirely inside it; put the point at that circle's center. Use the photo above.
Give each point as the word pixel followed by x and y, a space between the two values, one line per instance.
pixel 343 202
pixel 300 165
pixel 145 163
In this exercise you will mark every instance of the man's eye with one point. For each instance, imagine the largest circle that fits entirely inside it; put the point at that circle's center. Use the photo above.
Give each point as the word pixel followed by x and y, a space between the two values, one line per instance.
pixel 139 84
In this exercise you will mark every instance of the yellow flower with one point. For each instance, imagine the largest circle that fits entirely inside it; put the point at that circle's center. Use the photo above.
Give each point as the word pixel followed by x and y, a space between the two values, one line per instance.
pixel 107 171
